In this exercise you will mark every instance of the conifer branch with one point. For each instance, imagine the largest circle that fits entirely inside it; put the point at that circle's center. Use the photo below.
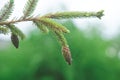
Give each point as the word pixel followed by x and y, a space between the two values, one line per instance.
pixel 6 10
pixel 16 31
pixel 65 48
pixel 53 25
pixel 44 23
pixel 41 26
pixel 29 8
pixel 61 38
pixel 66 15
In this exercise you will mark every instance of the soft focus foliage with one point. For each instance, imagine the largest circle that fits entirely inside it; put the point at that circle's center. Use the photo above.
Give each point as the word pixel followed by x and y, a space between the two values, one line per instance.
pixel 43 22
pixel 39 58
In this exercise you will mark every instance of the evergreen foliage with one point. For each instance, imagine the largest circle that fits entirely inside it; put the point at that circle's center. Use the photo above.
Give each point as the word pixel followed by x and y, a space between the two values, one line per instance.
pixel 6 10
pixel 44 23
pixel 3 30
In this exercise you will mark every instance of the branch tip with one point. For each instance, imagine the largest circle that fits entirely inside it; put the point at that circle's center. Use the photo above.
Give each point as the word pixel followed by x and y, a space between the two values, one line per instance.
pixel 100 14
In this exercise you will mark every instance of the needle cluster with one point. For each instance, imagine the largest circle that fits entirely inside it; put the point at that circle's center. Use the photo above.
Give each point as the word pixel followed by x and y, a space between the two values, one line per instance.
pixel 45 23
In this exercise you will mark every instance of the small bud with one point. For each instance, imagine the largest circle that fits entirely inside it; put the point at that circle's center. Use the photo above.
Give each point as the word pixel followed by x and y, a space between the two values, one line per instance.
pixel 67 54
pixel 100 14
pixel 15 40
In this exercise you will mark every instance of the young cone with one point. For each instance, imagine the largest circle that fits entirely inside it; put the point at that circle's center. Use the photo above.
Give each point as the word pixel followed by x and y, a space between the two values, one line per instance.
pixel 15 40
pixel 67 54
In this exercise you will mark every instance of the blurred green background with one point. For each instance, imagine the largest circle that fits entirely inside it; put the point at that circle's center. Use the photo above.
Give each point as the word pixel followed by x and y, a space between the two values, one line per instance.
pixel 39 57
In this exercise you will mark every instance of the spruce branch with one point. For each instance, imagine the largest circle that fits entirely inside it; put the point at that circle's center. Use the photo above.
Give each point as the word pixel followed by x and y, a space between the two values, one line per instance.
pixel 65 47
pixel 16 31
pixel 29 8
pixel 66 15
pixel 41 26
pixel 44 23
pixel 6 11
pixel 61 38
pixel 53 25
